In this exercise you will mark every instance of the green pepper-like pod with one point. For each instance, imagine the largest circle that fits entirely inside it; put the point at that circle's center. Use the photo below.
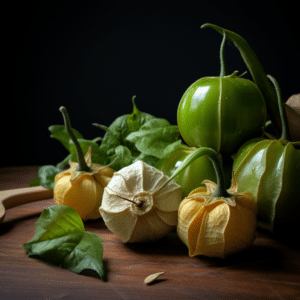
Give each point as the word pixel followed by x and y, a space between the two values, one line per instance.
pixel 270 170
pixel 257 71
pixel 221 112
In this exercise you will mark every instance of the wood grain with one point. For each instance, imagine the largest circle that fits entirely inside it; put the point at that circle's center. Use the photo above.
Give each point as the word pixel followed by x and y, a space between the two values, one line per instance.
pixel 269 269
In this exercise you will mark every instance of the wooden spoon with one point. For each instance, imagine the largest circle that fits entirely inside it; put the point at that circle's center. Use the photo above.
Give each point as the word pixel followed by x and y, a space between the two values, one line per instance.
pixel 15 197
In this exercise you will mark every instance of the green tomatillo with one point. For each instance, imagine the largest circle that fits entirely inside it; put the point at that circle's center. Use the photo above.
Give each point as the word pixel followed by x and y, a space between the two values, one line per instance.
pixel 198 171
pixel 270 169
pixel 221 112
pixel 256 70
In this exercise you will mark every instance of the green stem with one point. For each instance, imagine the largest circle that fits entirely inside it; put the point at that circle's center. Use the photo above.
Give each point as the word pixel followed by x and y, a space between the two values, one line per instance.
pixel 132 120
pixel 135 109
pixel 222 57
pixel 82 166
pixel 257 71
pixel 285 133
pixel 213 156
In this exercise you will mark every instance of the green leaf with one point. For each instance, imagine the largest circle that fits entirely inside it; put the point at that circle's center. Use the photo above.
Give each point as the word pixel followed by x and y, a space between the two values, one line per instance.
pixel 117 132
pixel 171 148
pixel 60 239
pixel 60 133
pixel 110 141
pixel 136 119
pixel 124 156
pixel 155 138
pixel 155 123
pixel 65 163
pixel 35 181
pixel 148 159
pixel 46 175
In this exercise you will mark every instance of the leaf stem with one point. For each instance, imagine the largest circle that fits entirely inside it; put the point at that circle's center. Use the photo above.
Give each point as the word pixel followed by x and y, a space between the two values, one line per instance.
pixel 213 156
pixel 135 109
pixel 82 166
pixel 223 71
pixel 285 132
pixel 132 120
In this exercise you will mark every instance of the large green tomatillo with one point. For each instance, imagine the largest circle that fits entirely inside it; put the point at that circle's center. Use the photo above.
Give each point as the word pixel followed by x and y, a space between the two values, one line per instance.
pixel 221 113
pixel 199 170
pixel 270 170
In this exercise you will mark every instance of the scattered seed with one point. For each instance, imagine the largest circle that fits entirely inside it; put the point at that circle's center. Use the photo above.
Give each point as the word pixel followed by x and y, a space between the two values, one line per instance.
pixel 152 277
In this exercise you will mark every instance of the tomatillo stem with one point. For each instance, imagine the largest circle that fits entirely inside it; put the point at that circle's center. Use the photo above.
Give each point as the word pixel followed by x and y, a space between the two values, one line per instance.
pixel 222 57
pixel 82 166
pixel 213 156
pixel 139 204
pixel 285 131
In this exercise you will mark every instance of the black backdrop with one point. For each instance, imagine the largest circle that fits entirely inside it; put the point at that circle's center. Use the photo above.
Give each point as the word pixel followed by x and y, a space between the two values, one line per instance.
pixel 93 57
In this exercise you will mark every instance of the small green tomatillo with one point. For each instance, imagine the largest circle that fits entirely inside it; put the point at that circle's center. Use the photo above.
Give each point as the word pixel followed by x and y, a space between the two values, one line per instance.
pixel 199 170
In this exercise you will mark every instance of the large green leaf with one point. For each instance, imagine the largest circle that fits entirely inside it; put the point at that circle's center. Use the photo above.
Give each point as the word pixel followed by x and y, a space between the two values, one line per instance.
pixel 60 239
pixel 156 137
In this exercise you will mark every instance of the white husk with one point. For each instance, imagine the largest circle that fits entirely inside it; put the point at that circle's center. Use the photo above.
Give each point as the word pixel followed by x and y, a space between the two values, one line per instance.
pixel 159 212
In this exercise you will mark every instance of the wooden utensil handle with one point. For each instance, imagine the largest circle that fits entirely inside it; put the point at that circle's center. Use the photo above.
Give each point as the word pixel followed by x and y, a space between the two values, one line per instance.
pixel 15 197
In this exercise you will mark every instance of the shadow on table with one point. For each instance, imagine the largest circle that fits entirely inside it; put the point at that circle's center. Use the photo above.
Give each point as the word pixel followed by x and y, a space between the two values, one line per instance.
pixel 7 226
pixel 260 257
pixel 170 245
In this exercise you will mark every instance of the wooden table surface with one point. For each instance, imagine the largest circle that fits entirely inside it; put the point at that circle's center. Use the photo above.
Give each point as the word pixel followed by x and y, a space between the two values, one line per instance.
pixel 270 269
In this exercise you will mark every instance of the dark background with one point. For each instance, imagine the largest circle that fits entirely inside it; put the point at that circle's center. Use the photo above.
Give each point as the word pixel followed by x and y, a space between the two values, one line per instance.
pixel 93 57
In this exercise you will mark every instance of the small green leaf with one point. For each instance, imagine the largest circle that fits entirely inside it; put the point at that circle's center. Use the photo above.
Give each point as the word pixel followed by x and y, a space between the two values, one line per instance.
pixel 124 156
pixel 46 175
pixel 35 181
pixel 60 239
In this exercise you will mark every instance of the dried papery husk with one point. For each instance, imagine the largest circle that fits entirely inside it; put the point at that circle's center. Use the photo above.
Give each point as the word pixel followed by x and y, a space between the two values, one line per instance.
pixel 217 226
pixel 82 190
pixel 139 205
